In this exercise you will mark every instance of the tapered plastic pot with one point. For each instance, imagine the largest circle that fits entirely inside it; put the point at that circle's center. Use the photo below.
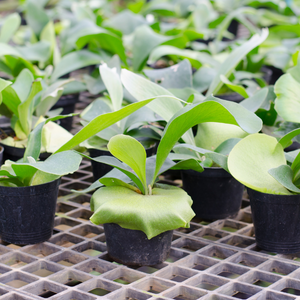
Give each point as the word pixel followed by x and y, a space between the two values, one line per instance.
pixel 67 103
pixel 276 220
pixel 215 193
pixel 132 247
pixel 100 169
pixel 27 213
pixel 16 153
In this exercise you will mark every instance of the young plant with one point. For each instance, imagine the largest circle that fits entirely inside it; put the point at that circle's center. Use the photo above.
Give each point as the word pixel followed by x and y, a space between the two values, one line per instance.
pixel 138 197
pixel 26 103
pixel 259 162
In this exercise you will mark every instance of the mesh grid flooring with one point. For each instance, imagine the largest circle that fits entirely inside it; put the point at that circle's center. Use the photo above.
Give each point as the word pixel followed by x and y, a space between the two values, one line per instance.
pixel 216 261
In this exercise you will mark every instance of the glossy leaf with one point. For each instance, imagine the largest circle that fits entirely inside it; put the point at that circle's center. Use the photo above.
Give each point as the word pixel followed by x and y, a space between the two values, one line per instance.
pixel 286 140
pixel 284 175
pixel 74 61
pixel 235 87
pixel 113 85
pixel 287 103
pixel 22 84
pixel 234 58
pixel 101 122
pixel 196 58
pixel 9 27
pixel 131 152
pixel 208 111
pixel 166 209
pixel 251 159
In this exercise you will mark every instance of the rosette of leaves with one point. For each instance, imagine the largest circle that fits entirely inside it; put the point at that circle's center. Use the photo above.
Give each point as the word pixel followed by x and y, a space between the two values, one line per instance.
pixel 26 102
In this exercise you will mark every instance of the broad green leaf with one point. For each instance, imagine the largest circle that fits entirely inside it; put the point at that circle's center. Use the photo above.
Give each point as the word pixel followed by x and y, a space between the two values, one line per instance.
pixel 284 175
pixel 132 153
pixel 144 40
pixel 211 135
pixel 9 27
pixel 178 76
pixel 287 103
pixel 22 84
pixel 286 140
pixel 208 111
pixel 219 159
pixel 167 104
pixel 166 209
pixel 234 58
pixel 254 102
pixel 74 61
pixel 40 51
pixel 101 122
pixel 36 18
pixel 3 85
pixel 25 109
pixel 251 159
pixel 48 34
pixel 113 85
pixel 188 164
pixel 34 143
pixel 45 104
pixel 203 78
pixel 125 21
pixel 40 177
pixel 62 163
pixel 235 87
pixel 6 49
pixel 196 58
pixel 11 99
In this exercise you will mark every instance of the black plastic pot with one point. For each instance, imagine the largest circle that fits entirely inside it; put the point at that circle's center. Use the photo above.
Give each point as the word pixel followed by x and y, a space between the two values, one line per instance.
pixel 276 220
pixel 132 247
pixel 100 169
pixel 27 213
pixel 67 102
pixel 16 153
pixel 215 193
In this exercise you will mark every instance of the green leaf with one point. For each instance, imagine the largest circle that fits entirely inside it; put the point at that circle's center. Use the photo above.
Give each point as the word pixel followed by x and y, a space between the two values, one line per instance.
pixel 235 87
pixel 144 40
pixel 9 27
pixel 40 51
pixel 287 103
pixel 3 85
pixel 284 175
pixel 197 59
pixel 132 153
pixel 36 18
pixel 178 76
pixel 211 135
pixel 105 39
pixel 101 122
pixel 74 61
pixel 25 109
pixel 254 102
pixel 208 111
pixel 22 84
pixel 34 143
pixel 113 85
pixel 286 140
pixel 251 159
pixel 8 50
pixel 108 181
pixel 112 161
pixel 234 58
pixel 165 106
pixel 167 208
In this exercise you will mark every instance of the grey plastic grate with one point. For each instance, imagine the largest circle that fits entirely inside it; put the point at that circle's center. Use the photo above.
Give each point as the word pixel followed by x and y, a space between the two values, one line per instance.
pixel 209 261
